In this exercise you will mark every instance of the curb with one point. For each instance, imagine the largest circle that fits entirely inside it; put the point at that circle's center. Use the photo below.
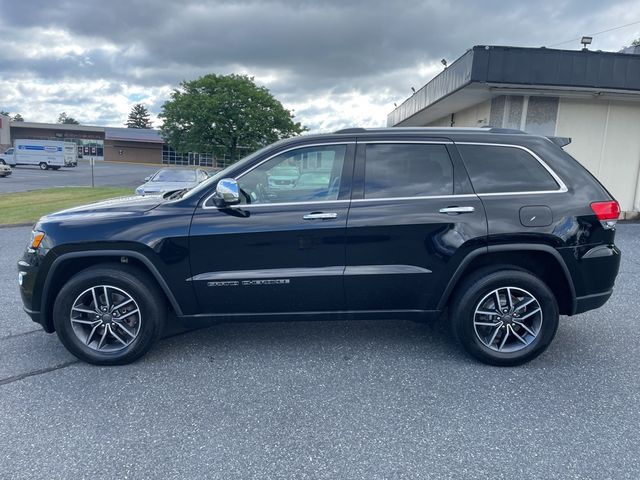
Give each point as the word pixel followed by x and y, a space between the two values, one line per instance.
pixel 11 225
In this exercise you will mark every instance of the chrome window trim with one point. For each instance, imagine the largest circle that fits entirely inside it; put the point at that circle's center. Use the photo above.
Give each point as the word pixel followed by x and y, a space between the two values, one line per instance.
pixel 284 204
pixel 562 187
pixel 429 142
pixel 329 144
pixel 423 197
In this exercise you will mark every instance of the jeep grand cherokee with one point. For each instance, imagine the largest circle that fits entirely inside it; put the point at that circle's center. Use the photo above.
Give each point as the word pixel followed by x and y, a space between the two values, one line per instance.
pixel 503 230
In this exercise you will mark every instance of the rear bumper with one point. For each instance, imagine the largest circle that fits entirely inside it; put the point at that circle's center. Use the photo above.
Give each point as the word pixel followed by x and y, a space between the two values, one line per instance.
pixel 591 302
pixel 594 274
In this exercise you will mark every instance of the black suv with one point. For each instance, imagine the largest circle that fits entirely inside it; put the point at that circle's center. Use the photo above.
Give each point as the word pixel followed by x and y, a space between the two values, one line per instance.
pixel 502 228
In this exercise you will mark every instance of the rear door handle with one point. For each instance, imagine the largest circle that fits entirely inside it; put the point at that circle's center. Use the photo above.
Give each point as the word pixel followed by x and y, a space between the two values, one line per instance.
pixel 456 210
pixel 320 216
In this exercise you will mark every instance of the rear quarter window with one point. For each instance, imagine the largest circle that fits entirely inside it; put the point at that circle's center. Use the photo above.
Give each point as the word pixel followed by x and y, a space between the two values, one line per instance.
pixel 504 169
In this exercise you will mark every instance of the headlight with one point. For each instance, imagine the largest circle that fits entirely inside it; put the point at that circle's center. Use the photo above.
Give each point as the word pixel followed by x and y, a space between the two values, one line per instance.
pixel 36 239
pixel 139 191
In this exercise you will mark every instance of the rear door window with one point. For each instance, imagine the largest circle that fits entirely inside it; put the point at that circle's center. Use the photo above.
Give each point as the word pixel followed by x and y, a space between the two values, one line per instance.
pixel 505 169
pixel 407 170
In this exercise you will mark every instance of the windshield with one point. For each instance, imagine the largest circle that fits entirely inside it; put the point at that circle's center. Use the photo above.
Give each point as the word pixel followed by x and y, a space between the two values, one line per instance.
pixel 170 175
pixel 204 186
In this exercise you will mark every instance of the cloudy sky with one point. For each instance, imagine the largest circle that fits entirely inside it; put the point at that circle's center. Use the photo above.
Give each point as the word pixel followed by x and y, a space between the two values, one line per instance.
pixel 336 63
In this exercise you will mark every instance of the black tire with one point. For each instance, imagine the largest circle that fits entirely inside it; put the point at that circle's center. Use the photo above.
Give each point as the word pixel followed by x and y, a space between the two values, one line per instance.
pixel 138 285
pixel 44 166
pixel 2 162
pixel 471 292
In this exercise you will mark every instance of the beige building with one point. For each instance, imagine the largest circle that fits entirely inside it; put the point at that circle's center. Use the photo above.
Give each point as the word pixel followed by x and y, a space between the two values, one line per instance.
pixel 591 97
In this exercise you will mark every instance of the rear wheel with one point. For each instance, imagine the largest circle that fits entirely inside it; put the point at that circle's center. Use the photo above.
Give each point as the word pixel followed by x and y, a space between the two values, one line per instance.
pixel 109 315
pixel 504 316
pixel 44 166
pixel 2 162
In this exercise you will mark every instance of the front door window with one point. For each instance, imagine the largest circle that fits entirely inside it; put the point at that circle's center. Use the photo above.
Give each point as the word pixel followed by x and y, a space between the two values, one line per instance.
pixel 310 174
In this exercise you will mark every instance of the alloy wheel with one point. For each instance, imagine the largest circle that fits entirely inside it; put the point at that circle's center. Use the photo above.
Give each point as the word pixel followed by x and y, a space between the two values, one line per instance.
pixel 105 318
pixel 508 319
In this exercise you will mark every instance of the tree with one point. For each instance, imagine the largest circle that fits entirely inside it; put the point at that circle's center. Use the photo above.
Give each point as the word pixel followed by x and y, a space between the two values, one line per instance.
pixel 4 112
pixel 636 43
pixel 223 113
pixel 18 118
pixel 64 118
pixel 139 117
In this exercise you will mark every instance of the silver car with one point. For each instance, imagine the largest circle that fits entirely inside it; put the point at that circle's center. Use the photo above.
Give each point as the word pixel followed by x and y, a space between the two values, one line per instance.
pixel 171 179
pixel 5 170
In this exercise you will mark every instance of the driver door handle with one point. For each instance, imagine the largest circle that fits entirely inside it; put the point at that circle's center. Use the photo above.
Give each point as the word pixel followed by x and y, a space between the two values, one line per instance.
pixel 456 210
pixel 320 216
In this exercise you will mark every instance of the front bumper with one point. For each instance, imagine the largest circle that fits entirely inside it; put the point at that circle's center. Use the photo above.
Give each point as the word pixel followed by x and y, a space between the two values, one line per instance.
pixel 27 280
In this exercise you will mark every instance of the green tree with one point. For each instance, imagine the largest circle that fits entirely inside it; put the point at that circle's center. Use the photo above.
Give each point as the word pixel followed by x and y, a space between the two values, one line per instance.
pixel 636 42
pixel 139 117
pixel 64 118
pixel 223 113
pixel 18 118
pixel 4 112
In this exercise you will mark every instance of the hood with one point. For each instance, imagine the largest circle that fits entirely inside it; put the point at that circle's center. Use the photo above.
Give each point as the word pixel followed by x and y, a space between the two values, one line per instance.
pixel 123 205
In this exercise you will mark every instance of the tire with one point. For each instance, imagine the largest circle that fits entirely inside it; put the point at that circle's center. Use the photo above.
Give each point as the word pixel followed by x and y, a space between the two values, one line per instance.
pixel 44 166
pixel 475 331
pixel 2 162
pixel 122 281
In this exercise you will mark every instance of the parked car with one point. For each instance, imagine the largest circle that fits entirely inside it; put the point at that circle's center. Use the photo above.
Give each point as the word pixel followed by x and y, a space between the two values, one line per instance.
pixel 503 230
pixel 171 179
pixel 5 170
pixel 284 176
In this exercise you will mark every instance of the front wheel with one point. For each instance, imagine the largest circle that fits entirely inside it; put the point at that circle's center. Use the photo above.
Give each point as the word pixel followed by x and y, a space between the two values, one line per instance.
pixel 504 317
pixel 44 166
pixel 109 315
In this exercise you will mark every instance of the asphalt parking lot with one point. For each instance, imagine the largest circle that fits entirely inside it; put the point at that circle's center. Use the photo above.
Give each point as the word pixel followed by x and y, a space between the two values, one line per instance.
pixel 339 400
pixel 106 174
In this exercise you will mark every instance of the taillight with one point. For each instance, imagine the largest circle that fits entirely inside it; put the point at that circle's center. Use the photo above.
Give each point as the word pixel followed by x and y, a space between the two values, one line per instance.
pixel 606 210
pixel 607 213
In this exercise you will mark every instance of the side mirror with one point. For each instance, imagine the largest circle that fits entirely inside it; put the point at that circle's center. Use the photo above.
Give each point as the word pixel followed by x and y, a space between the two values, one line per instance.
pixel 146 179
pixel 228 191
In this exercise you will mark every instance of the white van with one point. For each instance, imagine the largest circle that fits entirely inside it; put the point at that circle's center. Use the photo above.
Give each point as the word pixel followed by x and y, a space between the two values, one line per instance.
pixel 44 153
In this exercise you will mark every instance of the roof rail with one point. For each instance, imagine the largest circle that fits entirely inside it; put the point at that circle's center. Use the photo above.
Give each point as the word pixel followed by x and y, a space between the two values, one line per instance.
pixel 503 130
pixel 351 130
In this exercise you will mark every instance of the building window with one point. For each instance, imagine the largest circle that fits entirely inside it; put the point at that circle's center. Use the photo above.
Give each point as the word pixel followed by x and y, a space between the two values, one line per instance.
pixel 542 113
pixel 532 114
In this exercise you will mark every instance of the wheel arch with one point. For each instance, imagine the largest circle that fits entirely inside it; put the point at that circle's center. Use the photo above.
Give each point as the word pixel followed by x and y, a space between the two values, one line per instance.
pixel 68 264
pixel 542 260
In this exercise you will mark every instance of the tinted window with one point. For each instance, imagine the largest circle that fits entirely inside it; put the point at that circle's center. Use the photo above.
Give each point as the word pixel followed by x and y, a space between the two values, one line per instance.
pixel 505 169
pixel 302 175
pixel 407 170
